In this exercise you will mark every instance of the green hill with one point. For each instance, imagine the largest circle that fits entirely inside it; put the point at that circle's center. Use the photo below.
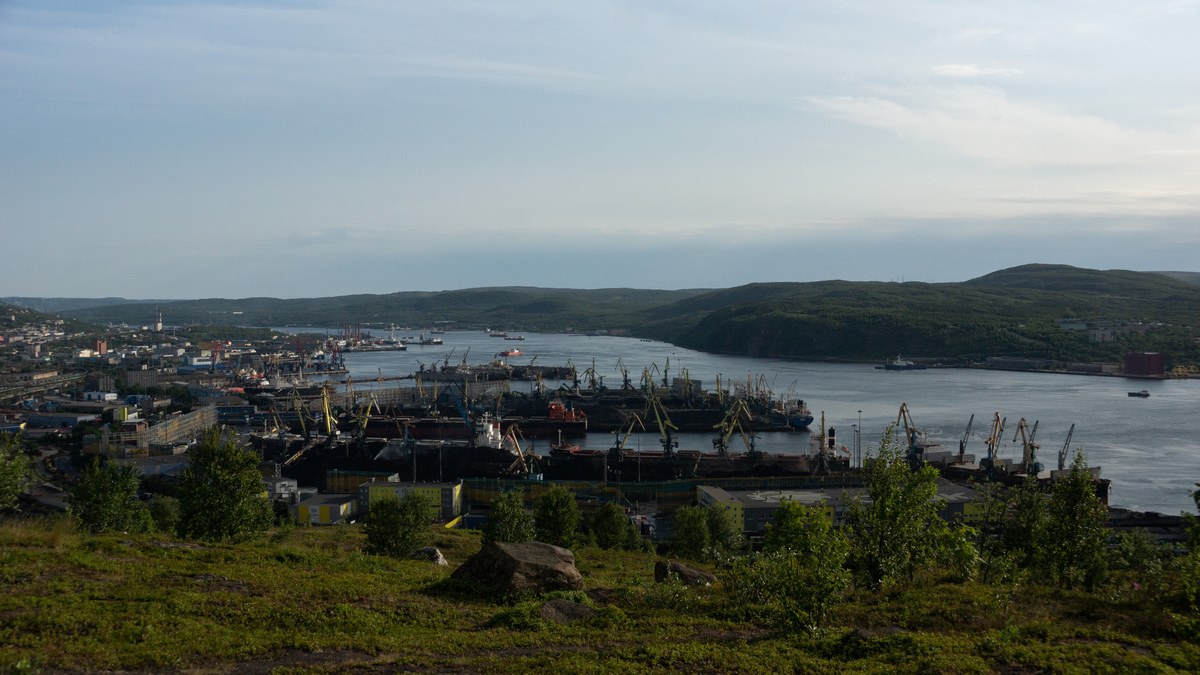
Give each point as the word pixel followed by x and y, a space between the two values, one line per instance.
pixel 310 600
pixel 1012 312
pixel 517 307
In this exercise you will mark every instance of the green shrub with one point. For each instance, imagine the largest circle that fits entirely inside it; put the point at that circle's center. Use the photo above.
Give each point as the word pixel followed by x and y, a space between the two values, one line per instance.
pixel 556 520
pixel 106 499
pixel 804 578
pixel 689 533
pixel 396 528
pixel 165 512
pixel 220 494
pixel 508 521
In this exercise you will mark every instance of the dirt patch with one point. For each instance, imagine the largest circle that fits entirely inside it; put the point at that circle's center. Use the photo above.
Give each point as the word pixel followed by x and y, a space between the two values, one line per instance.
pixel 216 582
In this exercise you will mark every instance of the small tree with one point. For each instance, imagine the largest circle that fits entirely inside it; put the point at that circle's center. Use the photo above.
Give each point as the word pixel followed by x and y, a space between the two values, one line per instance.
pixel 106 499
pixel 609 526
pixel 508 520
pixel 396 527
pixel 220 495
pixel 14 471
pixel 689 532
pixel 1193 523
pixel 894 533
pixel 165 512
pixel 1075 544
pixel 805 573
pixel 1023 530
pixel 724 531
pixel 788 526
pixel 556 519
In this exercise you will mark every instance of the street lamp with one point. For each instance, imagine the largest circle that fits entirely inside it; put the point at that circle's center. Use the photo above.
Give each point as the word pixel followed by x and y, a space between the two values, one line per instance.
pixel 858 440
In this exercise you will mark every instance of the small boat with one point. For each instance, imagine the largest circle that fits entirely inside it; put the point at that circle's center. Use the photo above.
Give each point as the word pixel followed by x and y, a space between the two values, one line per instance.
pixel 1140 394
pixel 498 335
pixel 511 352
pixel 901 364
pixel 514 337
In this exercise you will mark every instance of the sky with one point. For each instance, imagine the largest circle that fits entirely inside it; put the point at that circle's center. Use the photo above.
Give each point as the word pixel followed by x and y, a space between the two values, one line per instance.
pixel 294 149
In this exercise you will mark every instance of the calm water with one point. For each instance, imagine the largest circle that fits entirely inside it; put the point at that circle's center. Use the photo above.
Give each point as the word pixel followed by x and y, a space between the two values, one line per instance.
pixel 1149 448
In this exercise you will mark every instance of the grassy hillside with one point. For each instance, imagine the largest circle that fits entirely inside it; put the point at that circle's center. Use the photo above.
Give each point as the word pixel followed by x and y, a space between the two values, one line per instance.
pixel 309 600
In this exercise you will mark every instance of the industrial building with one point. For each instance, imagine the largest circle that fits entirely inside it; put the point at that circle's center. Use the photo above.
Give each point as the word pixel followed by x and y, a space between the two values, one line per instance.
pixel 756 508
pixel 445 499
pixel 326 509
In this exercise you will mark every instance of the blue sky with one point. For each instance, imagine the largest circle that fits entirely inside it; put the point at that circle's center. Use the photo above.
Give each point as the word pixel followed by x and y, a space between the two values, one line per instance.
pixel 199 149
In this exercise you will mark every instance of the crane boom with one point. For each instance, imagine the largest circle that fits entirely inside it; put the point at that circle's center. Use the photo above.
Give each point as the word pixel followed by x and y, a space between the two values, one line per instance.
pixel 1062 454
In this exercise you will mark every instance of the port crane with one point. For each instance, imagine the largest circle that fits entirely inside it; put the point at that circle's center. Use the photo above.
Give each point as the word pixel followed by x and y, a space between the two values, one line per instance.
pixel 1062 454
pixel 914 439
pixel 731 423
pixel 989 463
pixel 617 453
pixel 1028 447
pixel 626 383
pixel 665 427
pixel 962 445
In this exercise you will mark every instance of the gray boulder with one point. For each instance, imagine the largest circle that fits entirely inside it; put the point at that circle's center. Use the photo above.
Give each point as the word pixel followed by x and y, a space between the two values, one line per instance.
pixel 528 567
pixel 692 576
pixel 561 610
pixel 429 553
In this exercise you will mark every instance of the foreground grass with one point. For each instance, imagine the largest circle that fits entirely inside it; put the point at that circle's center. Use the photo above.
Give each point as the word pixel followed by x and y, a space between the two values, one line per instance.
pixel 308 600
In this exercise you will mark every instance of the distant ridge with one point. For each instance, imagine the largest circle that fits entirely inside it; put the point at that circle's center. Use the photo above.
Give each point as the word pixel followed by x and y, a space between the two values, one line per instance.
pixel 1016 312
pixel 58 305
pixel 1189 277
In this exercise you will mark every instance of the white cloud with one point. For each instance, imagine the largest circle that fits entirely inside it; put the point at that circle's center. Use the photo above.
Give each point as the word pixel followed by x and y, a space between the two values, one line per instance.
pixel 982 123
pixel 972 70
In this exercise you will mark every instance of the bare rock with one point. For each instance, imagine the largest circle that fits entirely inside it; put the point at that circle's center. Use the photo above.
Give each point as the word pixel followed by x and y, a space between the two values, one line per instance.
pixel 562 611
pixel 692 576
pixel 429 553
pixel 530 566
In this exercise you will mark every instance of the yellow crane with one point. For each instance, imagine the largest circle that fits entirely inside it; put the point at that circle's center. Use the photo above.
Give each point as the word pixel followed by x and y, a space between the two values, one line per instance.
pixel 989 463
pixel 1029 448
pixel 617 453
pixel 733 422
pixel 665 427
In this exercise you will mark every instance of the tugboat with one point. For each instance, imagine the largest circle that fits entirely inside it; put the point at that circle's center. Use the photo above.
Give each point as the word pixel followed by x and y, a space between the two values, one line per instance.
pixel 901 364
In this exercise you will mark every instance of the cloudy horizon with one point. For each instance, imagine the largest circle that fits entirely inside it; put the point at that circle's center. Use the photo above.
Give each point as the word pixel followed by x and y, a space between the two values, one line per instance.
pixel 301 149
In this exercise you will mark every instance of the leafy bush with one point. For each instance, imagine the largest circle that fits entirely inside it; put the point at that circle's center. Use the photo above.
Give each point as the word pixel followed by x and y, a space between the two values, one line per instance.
pixel 508 521
pixel 165 512
pixel 556 519
pixel 689 533
pixel 396 527
pixel 1075 539
pixel 220 494
pixel 609 526
pixel 804 574
pixel 893 533
pixel 14 471
pixel 724 531
pixel 106 499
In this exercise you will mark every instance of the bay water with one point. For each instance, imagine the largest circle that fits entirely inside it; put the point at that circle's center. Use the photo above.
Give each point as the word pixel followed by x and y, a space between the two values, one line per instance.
pixel 1148 447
